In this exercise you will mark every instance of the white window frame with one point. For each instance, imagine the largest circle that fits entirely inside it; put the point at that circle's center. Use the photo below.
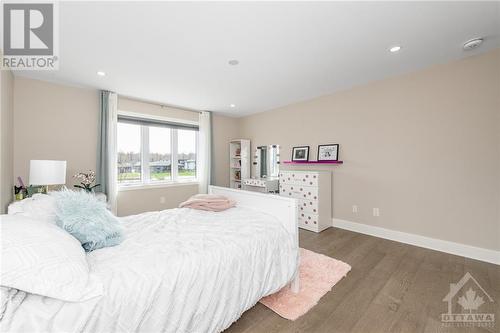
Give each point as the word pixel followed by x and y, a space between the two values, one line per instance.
pixel 146 182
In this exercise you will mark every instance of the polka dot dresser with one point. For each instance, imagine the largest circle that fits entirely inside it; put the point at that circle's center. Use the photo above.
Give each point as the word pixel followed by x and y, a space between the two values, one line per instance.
pixel 313 189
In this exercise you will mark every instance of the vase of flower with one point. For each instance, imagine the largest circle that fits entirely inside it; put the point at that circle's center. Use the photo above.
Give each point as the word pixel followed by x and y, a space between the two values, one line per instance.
pixel 86 181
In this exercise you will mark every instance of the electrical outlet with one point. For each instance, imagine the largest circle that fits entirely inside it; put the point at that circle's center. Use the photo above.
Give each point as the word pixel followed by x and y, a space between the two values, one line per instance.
pixel 354 208
pixel 162 200
pixel 376 212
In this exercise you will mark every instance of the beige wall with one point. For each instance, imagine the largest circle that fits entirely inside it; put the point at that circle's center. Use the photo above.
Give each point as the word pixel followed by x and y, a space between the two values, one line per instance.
pixel 424 148
pixel 132 202
pixel 6 139
pixel 55 121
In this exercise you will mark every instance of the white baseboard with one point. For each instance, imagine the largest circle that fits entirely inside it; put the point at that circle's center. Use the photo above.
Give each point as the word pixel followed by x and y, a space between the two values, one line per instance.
pixel 458 249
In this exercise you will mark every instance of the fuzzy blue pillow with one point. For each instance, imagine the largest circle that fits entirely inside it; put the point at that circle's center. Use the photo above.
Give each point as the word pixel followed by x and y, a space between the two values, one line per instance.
pixel 87 219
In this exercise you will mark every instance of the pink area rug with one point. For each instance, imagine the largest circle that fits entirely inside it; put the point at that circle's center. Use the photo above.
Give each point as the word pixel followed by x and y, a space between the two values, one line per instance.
pixel 318 274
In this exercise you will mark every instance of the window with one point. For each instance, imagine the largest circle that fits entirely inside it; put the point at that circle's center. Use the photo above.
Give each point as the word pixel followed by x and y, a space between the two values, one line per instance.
pixel 186 154
pixel 154 152
pixel 160 154
pixel 129 153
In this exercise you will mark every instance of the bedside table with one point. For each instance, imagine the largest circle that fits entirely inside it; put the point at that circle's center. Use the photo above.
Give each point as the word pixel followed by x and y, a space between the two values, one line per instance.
pixel 36 201
pixel 16 207
pixel 101 197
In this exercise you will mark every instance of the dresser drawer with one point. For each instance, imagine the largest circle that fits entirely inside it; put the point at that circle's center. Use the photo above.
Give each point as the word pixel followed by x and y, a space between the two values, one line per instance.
pixel 308 206
pixel 254 182
pixel 303 225
pixel 299 178
pixel 306 219
pixel 299 192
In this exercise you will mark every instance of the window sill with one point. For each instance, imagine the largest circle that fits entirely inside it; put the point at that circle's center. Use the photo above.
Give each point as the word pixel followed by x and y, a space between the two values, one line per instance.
pixel 133 187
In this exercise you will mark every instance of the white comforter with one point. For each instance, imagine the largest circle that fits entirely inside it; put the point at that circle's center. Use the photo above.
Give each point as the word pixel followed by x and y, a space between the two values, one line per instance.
pixel 178 270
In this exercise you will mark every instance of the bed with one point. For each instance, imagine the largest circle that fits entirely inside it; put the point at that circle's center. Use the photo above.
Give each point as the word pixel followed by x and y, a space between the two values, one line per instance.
pixel 178 270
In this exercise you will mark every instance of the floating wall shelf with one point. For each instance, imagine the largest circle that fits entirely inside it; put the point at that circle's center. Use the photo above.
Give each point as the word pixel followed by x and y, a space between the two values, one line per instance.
pixel 313 162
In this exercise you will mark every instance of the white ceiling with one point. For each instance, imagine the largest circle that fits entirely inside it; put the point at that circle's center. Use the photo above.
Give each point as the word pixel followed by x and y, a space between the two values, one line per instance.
pixel 178 53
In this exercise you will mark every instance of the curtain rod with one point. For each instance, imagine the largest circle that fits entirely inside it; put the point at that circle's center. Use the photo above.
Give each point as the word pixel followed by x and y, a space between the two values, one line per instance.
pixel 176 107
pixel 159 104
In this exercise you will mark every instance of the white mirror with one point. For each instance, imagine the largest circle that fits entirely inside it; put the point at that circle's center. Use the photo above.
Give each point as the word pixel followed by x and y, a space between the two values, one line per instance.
pixel 266 161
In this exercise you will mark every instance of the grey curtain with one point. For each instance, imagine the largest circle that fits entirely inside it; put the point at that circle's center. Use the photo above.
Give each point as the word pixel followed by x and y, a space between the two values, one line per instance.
pixel 102 143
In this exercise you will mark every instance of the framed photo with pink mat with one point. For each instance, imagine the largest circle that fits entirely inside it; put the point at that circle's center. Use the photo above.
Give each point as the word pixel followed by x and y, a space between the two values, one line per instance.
pixel 318 274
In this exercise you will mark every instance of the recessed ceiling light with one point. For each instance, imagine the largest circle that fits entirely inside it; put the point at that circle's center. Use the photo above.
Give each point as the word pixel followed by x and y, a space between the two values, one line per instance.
pixel 472 44
pixel 101 73
pixel 395 49
pixel 233 62
pixel 232 105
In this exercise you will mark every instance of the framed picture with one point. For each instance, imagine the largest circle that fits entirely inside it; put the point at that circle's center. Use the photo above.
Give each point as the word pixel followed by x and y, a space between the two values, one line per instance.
pixel 328 152
pixel 300 153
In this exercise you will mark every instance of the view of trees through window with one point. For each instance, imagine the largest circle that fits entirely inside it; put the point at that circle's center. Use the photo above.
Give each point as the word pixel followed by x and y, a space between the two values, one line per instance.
pixel 129 153
pixel 160 154
pixel 186 153
pixel 159 149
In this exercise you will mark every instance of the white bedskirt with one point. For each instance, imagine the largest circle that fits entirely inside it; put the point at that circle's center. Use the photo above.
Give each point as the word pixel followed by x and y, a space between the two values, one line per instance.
pixel 178 270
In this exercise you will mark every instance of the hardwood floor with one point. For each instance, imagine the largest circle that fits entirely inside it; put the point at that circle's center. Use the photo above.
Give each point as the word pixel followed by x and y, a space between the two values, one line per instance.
pixel 392 287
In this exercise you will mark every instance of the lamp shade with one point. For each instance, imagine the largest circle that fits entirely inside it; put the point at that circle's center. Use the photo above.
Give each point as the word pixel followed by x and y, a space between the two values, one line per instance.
pixel 46 172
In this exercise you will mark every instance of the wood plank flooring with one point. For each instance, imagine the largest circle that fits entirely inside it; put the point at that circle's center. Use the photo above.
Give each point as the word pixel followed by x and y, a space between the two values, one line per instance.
pixel 392 287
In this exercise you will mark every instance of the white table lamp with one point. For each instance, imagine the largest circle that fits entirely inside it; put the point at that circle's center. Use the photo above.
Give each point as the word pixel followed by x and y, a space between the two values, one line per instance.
pixel 46 172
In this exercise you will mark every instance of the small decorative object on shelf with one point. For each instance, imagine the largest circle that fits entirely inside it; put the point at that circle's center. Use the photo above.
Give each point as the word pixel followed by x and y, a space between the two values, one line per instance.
pixel 86 181
pixel 300 153
pixel 328 152
pixel 32 190
pixel 20 191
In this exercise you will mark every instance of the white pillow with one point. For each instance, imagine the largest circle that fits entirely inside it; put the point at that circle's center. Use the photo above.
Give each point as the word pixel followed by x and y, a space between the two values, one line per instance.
pixel 39 206
pixel 40 258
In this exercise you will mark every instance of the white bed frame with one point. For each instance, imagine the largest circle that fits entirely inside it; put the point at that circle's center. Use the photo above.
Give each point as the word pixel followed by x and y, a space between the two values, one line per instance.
pixel 283 209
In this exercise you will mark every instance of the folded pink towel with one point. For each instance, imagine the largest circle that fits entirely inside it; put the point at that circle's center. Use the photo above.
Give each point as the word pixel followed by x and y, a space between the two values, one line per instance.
pixel 210 202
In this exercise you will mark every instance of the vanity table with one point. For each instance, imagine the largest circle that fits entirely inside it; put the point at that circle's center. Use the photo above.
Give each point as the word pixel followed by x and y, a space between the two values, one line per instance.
pixel 265 170
pixel 265 185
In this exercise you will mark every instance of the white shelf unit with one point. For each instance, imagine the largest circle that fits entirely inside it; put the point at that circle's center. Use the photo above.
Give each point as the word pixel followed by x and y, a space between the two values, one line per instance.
pixel 239 162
